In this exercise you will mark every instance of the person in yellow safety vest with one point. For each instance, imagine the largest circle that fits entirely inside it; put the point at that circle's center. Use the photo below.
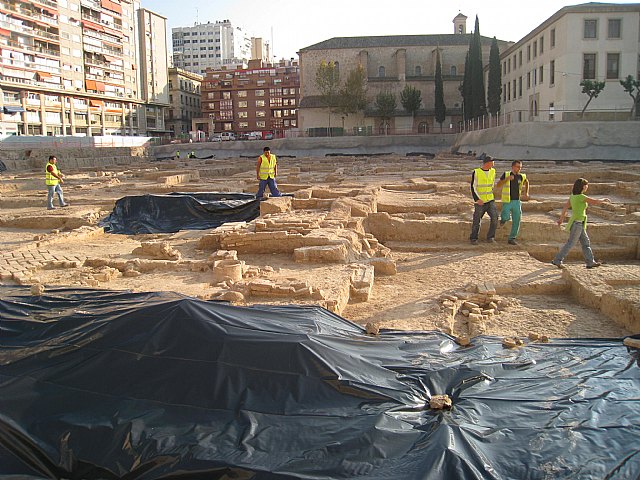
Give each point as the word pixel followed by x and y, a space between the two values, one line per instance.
pixel 482 183
pixel 266 172
pixel 512 184
pixel 177 154
pixel 53 179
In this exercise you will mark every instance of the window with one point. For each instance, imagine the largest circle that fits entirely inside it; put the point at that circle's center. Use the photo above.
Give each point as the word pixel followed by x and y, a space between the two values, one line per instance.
pixel 590 29
pixel 242 114
pixel 260 113
pixel 381 71
pixel 535 48
pixel 259 103
pixel 508 91
pixel 519 86
pixel 508 65
pixel 514 89
pixel 541 45
pixel 613 66
pixel 520 58
pixel 589 66
pixel 553 37
pixel 454 70
pixel 614 28
pixel 541 76
pixel 528 53
pixel 418 70
pixel 261 124
pixel 243 124
pixel 504 68
pixel 528 80
pixel 242 93
pixel 242 104
pixel 226 95
pixel 552 72
pixel 259 93
pixel 504 94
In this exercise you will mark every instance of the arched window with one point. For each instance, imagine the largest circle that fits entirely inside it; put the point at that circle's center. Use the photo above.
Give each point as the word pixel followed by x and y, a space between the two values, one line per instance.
pixel 454 70
pixel 337 66
pixel 381 71
pixel 418 70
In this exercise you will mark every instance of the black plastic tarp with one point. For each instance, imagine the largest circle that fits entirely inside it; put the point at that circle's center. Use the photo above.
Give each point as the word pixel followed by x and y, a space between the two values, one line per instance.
pixel 100 384
pixel 179 211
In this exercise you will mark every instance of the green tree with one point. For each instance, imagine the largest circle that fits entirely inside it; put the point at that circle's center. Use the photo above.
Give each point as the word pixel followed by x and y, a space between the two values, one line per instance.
pixel 632 87
pixel 385 105
pixel 475 104
pixel 494 89
pixel 353 96
pixel 328 83
pixel 411 99
pixel 440 107
pixel 592 89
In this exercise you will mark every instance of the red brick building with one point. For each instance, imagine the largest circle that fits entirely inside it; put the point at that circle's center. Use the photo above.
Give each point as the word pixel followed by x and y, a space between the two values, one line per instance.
pixel 260 98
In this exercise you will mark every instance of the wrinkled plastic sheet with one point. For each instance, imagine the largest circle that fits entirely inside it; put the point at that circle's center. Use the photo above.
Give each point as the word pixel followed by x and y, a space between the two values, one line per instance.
pixel 101 384
pixel 179 211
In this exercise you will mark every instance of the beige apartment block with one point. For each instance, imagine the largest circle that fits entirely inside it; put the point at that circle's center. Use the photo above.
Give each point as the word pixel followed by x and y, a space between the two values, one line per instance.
pixel 391 63
pixel 184 99
pixel 73 67
pixel 541 73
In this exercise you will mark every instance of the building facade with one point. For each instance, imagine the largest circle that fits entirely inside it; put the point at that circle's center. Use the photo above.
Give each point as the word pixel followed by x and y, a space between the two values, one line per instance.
pixel 210 45
pixel 72 67
pixel 184 99
pixel 391 63
pixel 541 73
pixel 262 97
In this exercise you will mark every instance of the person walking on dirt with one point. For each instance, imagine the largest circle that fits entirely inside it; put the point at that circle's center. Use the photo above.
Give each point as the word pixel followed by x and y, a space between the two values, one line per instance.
pixel 266 172
pixel 53 180
pixel 513 183
pixel 577 226
pixel 482 183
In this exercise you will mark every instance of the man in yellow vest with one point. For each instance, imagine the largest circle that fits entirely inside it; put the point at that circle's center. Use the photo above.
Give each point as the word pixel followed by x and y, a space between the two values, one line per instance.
pixel 513 183
pixel 482 183
pixel 53 179
pixel 266 172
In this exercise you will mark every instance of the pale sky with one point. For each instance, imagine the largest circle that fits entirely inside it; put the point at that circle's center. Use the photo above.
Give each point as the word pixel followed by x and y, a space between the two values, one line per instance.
pixel 295 24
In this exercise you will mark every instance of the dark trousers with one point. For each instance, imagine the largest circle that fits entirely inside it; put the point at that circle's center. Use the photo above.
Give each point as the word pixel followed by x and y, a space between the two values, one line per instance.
pixel 273 188
pixel 478 213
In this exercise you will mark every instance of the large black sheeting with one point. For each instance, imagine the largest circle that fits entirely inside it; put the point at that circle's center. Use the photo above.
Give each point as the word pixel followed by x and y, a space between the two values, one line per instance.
pixel 100 384
pixel 179 211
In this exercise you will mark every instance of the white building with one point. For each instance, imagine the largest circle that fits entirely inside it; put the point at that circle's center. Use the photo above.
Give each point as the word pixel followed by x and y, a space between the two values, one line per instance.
pixel 210 45
pixel 541 73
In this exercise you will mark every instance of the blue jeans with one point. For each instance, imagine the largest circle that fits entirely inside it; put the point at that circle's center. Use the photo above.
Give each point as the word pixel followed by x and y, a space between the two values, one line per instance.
pixel 52 190
pixel 512 209
pixel 577 232
pixel 478 213
pixel 273 188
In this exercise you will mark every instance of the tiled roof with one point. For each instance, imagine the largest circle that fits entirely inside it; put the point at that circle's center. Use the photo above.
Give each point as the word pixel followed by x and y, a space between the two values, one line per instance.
pixel 398 41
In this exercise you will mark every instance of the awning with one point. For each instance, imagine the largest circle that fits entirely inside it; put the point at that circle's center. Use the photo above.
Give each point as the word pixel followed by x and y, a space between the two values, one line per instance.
pixel 44 75
pixel 11 110
pixel 113 6
pixel 91 85
pixel 96 103
pixel 92 26
pixel 100 86
pixel 4 32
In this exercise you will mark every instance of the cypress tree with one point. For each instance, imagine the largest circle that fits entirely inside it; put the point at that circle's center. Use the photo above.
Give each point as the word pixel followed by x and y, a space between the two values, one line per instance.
pixel 479 104
pixel 441 109
pixel 494 89
pixel 466 88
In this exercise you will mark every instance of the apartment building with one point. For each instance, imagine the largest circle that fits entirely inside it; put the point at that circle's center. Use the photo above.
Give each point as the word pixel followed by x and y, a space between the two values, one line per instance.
pixel 262 97
pixel 541 73
pixel 73 67
pixel 210 45
pixel 184 99
pixel 391 63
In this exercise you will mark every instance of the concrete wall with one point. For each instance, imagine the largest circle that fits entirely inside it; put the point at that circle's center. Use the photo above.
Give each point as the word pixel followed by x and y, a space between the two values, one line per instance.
pixel 556 141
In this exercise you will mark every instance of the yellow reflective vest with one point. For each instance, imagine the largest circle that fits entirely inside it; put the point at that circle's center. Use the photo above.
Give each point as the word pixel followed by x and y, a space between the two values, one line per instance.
pixel 268 166
pixel 483 183
pixel 50 179
pixel 506 187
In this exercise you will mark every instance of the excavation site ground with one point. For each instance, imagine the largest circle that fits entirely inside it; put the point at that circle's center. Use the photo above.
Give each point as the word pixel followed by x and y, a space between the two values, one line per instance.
pixel 380 240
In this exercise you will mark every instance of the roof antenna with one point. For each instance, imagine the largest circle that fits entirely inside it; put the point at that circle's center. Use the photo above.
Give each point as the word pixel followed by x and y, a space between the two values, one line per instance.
pixel 196 15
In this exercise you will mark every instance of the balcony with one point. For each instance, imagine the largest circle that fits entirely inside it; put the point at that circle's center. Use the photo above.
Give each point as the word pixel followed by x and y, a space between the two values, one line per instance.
pixel 18 27
pixel 47 3
pixel 29 14
pixel 115 26
pixel 32 48
pixel 103 50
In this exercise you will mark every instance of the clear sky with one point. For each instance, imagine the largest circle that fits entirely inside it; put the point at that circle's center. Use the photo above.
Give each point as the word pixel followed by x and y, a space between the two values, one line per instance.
pixel 295 24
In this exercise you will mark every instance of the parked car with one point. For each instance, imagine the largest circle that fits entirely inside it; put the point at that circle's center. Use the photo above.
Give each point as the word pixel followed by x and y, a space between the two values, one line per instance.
pixel 268 136
pixel 216 137
pixel 255 136
pixel 228 136
pixel 243 136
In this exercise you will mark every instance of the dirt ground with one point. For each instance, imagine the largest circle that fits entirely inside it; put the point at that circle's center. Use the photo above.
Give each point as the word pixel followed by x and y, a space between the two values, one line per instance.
pixel 414 214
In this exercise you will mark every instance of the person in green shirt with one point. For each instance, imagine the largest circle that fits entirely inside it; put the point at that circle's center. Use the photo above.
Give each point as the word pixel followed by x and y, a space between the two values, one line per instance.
pixel 577 225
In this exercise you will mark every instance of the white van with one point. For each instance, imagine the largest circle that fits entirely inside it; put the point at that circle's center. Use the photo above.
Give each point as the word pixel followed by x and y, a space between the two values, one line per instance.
pixel 228 136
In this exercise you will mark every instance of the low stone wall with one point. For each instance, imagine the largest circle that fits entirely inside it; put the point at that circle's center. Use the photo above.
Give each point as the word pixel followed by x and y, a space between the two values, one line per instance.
pixel 612 141
pixel 72 157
